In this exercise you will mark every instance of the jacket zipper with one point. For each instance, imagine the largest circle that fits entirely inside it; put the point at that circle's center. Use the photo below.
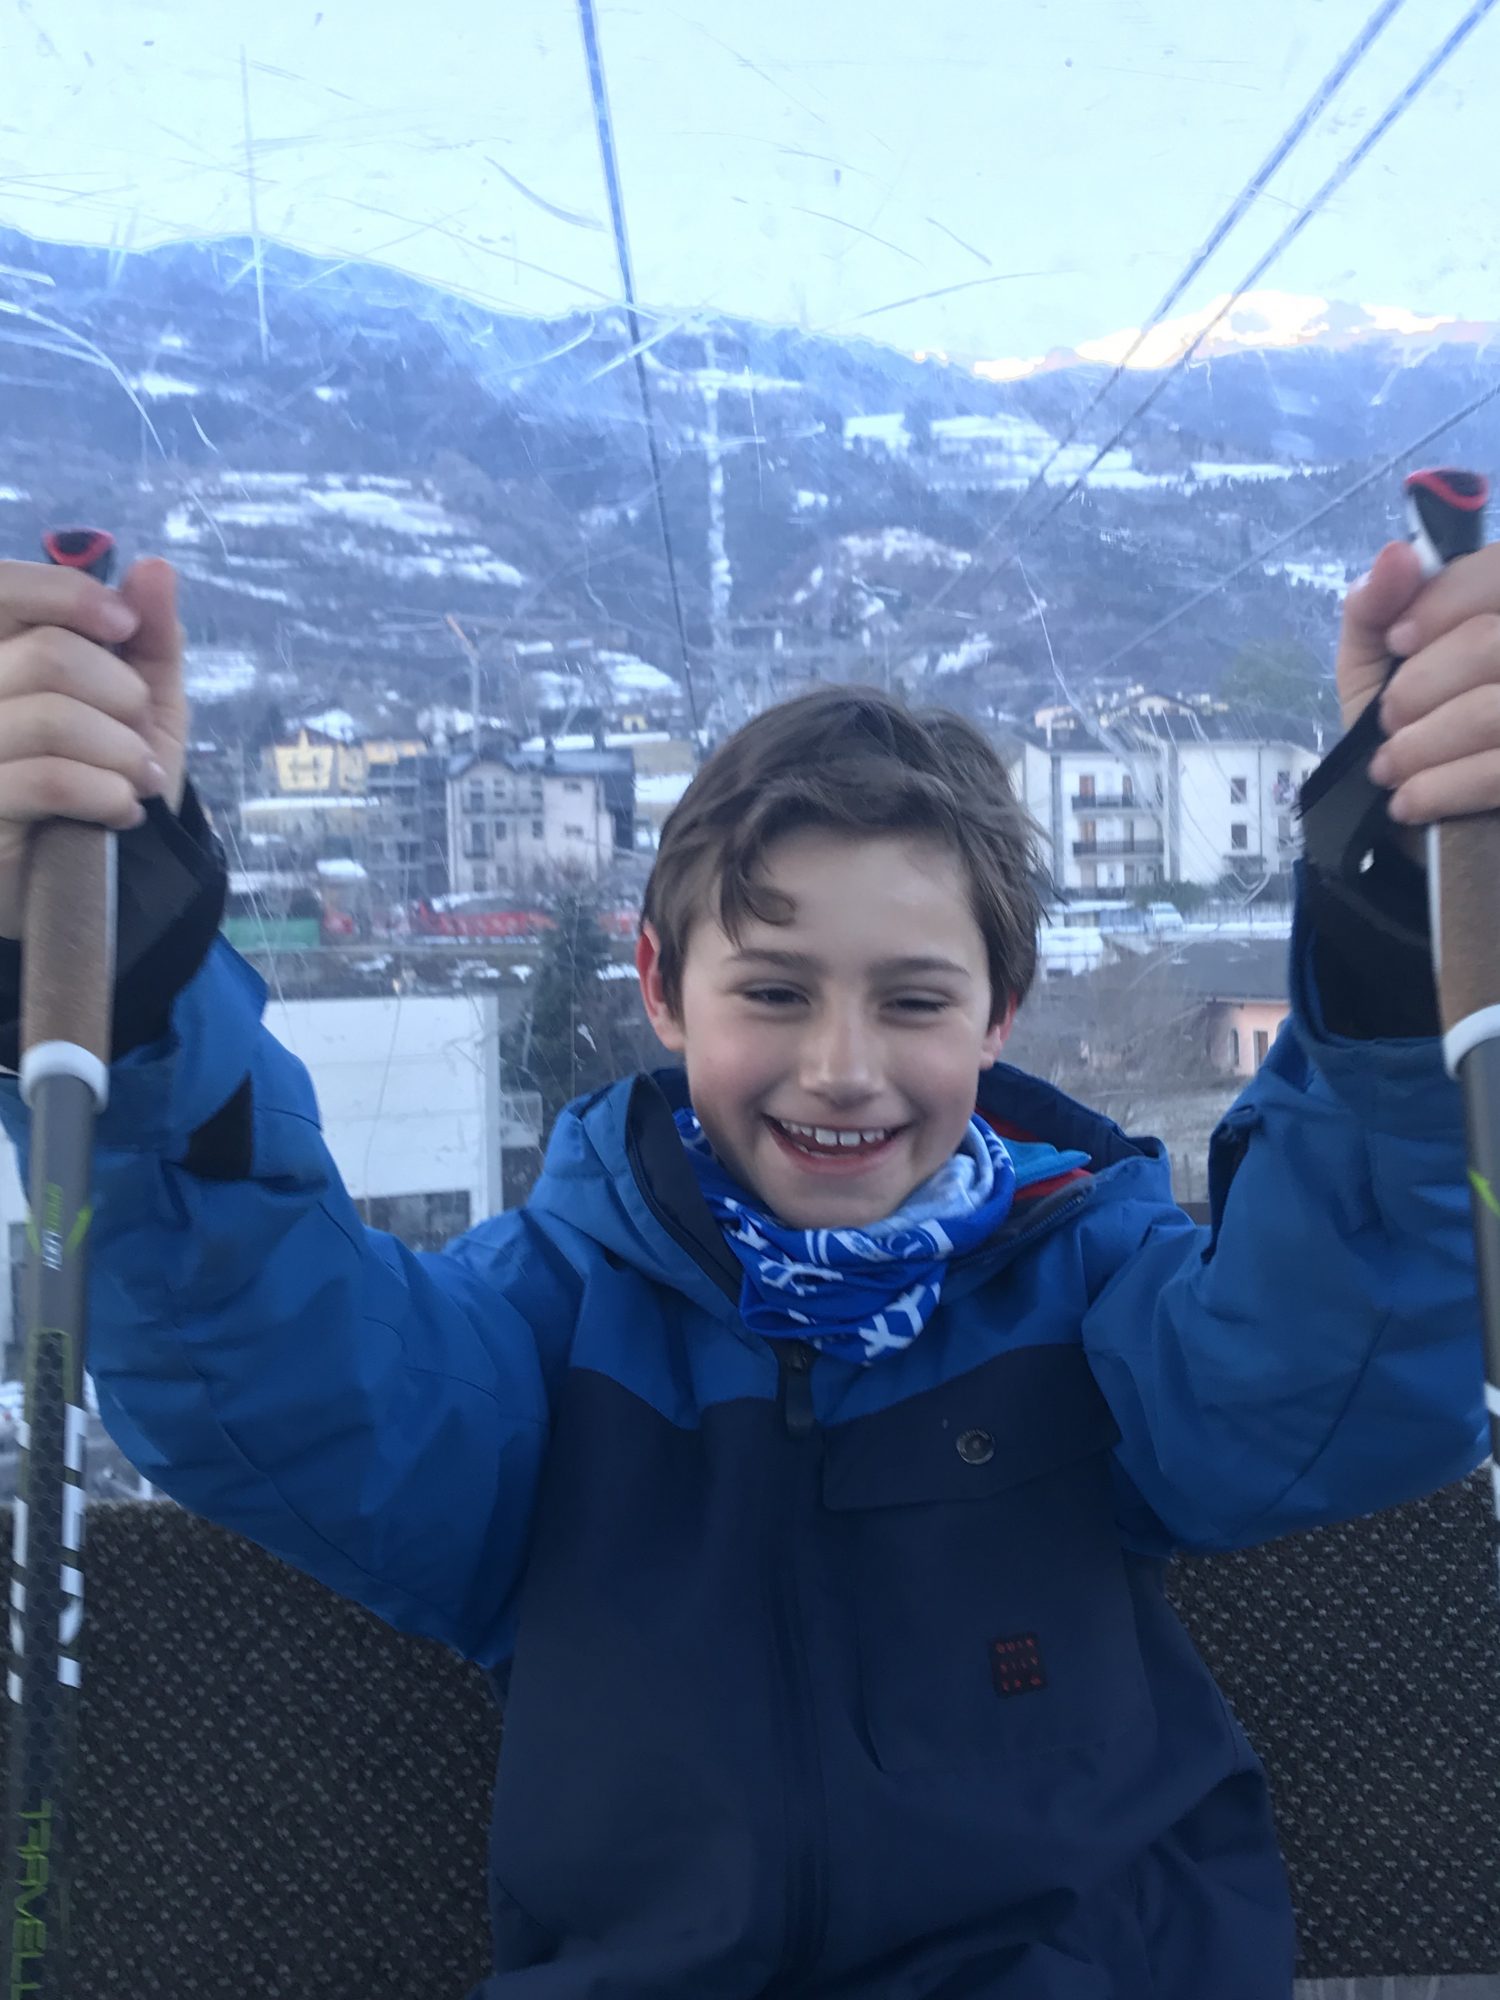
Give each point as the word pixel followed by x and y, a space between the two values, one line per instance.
pixel 991 1257
pixel 806 1861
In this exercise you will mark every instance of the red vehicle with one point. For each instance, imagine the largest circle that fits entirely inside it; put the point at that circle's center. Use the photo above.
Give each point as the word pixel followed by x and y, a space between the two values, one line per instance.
pixel 427 922
pixel 462 923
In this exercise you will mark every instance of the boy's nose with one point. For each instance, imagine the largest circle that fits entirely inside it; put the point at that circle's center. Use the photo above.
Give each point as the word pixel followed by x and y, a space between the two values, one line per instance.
pixel 840 1058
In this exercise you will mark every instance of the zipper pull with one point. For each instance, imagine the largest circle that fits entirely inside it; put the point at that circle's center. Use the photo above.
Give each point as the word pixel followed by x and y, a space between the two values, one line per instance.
pixel 795 1359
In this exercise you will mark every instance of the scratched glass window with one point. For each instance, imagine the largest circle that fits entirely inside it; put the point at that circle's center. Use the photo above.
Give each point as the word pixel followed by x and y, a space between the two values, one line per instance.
pixel 527 396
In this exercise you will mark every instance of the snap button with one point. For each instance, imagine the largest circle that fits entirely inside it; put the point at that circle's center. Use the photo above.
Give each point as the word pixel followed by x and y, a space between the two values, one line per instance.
pixel 976 1447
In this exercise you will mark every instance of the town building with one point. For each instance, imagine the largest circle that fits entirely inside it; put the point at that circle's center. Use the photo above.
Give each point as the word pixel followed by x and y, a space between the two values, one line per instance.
pixel 412 1109
pixel 525 820
pixel 334 758
pixel 1241 985
pixel 1163 790
pixel 406 836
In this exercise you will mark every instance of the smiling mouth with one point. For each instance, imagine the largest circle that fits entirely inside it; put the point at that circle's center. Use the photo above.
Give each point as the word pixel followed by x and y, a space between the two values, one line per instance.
pixel 829 1142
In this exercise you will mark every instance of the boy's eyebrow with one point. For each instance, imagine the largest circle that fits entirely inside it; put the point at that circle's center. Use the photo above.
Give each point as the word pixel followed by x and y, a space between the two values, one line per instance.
pixel 803 961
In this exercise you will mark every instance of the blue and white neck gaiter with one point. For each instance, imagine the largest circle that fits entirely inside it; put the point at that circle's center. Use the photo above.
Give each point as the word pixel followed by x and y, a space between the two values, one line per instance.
pixel 858 1293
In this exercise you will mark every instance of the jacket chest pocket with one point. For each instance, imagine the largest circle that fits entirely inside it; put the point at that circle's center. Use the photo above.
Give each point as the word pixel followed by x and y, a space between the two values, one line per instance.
pixel 973 1539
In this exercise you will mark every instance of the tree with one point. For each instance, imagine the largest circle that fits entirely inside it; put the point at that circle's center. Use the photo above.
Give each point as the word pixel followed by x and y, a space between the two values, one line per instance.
pixel 918 422
pixel 568 1047
pixel 1281 677
pixel 1185 896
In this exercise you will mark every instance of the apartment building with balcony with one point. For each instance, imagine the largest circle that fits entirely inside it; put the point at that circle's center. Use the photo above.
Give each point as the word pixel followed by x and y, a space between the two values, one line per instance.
pixel 1161 790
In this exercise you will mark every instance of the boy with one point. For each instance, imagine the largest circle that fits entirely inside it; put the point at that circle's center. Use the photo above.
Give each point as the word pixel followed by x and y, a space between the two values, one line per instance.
pixel 802 1459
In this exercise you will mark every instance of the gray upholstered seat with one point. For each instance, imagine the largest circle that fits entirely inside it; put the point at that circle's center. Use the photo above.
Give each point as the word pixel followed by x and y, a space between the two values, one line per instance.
pixel 281 1799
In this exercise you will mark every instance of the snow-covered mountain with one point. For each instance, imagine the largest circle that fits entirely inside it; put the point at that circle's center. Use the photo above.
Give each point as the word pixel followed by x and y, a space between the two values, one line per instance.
pixel 394 480
pixel 1256 321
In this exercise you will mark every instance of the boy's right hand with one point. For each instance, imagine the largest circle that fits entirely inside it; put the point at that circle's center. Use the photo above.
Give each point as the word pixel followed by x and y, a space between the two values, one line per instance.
pixel 93 716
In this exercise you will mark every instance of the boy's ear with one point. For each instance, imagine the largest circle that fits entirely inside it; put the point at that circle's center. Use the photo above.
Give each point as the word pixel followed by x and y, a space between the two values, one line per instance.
pixel 998 1036
pixel 667 1027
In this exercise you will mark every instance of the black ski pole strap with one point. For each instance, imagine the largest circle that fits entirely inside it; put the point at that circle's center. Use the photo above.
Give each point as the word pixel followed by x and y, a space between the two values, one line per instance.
pixel 1371 960
pixel 1343 809
pixel 1366 899
pixel 1347 834
pixel 172 883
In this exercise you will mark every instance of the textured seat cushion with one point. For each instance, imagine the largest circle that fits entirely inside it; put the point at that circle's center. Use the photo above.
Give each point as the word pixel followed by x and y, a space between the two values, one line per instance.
pixel 279 1797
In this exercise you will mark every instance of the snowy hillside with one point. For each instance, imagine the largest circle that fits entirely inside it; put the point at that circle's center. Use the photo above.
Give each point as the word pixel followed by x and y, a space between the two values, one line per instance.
pixel 406 489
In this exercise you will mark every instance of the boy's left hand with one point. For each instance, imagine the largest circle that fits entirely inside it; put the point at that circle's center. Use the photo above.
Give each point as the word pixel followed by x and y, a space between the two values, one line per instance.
pixel 1441 710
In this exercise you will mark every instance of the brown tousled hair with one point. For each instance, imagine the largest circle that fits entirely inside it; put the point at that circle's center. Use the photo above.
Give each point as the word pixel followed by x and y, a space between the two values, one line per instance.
pixel 859 762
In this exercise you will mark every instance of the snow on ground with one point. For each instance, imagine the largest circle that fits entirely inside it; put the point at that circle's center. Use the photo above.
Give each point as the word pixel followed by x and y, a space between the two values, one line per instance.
pixel 554 690
pixel 810 503
pixel 290 500
pixel 394 513
pixel 1332 576
pixel 908 543
pixel 889 431
pixel 388 507
pixel 615 739
pixel 1021 435
pixel 335 722
pixel 1116 468
pixel 149 383
pixel 1208 471
pixel 476 563
pixel 972 653
pixel 295 802
pixel 661 788
pixel 1121 478
pixel 240 585
pixel 721 379
pixel 628 675
pixel 214 672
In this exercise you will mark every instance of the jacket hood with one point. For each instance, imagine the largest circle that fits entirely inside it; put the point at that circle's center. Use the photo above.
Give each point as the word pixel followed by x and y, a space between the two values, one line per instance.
pixel 616 1170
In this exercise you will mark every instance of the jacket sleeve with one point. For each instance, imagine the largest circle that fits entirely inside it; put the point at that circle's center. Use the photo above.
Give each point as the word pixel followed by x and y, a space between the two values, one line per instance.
pixel 1314 1354
pixel 374 1416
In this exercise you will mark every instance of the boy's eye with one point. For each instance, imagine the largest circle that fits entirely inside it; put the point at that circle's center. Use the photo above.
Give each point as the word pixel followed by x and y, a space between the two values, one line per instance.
pixel 920 1003
pixel 773 996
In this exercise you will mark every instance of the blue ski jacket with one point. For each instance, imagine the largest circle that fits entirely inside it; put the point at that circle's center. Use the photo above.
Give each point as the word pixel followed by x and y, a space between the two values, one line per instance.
pixel 819 1679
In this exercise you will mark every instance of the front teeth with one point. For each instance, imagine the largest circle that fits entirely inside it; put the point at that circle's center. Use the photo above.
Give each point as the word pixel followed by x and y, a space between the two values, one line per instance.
pixel 824 1135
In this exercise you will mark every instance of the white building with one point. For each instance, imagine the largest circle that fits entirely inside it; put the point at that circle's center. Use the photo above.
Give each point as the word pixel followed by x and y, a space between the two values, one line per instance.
pixel 1162 791
pixel 522 819
pixel 412 1109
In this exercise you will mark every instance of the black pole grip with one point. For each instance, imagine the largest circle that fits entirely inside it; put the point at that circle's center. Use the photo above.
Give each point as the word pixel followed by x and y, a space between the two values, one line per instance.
pixel 1445 510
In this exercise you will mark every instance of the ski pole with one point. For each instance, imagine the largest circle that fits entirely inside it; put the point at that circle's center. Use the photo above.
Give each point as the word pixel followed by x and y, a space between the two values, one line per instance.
pixel 67 968
pixel 1445 510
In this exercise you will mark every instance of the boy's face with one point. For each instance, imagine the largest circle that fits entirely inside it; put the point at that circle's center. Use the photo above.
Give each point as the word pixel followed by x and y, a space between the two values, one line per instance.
pixel 833 1059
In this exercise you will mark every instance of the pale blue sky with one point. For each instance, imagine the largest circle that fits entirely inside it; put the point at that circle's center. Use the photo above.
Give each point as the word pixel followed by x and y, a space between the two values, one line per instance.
pixel 787 160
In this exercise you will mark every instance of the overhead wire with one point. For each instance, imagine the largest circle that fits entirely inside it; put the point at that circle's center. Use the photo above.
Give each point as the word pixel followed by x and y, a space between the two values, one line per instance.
pixel 1399 104
pixel 1393 111
pixel 604 130
pixel 1305 214
pixel 1249 193
pixel 1408 451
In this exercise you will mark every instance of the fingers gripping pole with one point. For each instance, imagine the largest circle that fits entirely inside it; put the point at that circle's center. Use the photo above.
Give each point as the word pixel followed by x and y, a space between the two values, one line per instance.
pixel 67 964
pixel 1446 511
